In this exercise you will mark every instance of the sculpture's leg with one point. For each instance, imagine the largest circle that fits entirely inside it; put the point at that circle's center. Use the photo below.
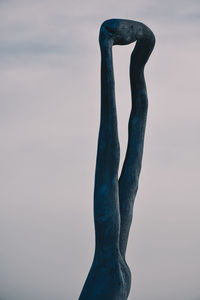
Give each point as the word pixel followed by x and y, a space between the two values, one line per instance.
pixel 128 181
pixel 106 200
pixel 105 280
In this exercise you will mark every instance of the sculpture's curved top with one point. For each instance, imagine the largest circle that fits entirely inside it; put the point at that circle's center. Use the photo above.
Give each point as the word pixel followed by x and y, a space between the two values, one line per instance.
pixel 124 32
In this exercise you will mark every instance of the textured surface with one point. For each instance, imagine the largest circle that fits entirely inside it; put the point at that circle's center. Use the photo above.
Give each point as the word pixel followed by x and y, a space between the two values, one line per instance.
pixel 109 277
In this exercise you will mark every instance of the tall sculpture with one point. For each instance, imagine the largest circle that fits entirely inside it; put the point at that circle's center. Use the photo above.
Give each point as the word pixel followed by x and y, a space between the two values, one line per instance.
pixel 109 277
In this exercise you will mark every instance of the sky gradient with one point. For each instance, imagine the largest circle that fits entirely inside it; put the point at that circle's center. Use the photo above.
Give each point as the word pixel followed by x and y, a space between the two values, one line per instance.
pixel 50 107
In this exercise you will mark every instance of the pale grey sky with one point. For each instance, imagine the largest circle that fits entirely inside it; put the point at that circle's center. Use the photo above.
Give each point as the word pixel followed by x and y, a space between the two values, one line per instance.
pixel 50 83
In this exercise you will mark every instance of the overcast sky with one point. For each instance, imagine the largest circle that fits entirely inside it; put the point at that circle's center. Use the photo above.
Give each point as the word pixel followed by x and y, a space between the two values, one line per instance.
pixel 49 116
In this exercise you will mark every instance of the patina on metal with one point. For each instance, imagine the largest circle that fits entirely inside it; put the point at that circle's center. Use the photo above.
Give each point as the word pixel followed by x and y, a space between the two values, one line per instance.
pixel 110 277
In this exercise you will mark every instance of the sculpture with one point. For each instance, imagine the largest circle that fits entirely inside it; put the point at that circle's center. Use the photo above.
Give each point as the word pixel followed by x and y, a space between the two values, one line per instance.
pixel 109 277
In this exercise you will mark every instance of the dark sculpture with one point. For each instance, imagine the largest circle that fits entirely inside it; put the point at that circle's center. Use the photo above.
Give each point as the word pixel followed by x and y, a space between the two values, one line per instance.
pixel 109 277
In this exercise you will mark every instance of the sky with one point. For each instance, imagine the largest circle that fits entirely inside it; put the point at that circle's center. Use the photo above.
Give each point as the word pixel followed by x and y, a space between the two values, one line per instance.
pixel 49 120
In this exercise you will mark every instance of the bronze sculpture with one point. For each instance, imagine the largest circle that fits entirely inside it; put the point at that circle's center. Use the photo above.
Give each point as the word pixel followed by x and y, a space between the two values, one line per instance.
pixel 109 277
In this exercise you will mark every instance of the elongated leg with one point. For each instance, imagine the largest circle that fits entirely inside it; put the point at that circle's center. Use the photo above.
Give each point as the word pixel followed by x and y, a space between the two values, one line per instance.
pixel 104 280
pixel 128 181
pixel 106 199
